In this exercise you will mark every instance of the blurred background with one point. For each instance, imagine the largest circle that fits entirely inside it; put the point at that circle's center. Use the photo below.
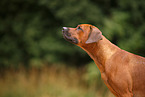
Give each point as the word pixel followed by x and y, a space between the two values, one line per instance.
pixel 35 60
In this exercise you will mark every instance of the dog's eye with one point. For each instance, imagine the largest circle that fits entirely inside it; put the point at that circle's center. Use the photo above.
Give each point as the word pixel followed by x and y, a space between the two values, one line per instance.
pixel 79 28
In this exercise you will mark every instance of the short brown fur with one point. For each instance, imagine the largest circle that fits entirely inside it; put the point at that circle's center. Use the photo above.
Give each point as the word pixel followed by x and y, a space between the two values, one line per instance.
pixel 122 72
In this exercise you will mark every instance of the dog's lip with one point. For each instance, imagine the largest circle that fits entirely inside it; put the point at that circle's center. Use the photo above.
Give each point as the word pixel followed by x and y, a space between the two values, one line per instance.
pixel 70 39
pixel 66 36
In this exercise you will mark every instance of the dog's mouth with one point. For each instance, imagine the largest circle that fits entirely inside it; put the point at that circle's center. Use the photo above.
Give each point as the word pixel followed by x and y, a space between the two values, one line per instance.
pixel 68 37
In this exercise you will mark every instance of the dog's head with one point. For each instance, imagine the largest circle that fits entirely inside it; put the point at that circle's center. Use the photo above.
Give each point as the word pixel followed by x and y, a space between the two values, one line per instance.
pixel 82 34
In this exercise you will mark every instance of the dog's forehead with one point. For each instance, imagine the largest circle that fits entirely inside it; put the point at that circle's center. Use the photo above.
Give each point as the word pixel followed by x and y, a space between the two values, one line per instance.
pixel 84 26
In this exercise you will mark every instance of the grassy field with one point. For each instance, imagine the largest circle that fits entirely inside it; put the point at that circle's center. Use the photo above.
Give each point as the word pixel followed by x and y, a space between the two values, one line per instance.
pixel 50 82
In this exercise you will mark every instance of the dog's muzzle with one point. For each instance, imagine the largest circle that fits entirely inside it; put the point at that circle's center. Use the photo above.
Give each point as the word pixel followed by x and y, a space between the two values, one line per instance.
pixel 65 31
pixel 67 35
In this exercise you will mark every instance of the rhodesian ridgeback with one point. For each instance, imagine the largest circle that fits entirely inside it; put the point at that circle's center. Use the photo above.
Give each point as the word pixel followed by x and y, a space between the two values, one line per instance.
pixel 122 72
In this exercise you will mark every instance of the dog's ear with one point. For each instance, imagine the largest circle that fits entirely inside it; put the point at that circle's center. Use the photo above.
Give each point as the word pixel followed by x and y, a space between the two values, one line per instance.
pixel 94 36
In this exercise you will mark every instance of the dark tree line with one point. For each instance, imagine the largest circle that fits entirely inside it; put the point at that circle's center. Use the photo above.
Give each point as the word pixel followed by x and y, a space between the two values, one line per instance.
pixel 30 30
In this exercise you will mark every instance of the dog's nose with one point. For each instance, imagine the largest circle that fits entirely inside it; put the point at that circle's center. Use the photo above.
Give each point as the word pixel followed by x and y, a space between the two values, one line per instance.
pixel 65 29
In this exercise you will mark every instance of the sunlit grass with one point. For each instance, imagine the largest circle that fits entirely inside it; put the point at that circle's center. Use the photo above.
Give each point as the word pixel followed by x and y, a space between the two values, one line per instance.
pixel 48 82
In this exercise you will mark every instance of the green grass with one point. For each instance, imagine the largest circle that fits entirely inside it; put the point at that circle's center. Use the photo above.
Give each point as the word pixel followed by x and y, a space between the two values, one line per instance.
pixel 50 82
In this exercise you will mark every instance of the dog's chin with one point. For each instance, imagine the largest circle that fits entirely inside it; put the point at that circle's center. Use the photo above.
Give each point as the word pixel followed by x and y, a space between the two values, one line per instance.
pixel 70 39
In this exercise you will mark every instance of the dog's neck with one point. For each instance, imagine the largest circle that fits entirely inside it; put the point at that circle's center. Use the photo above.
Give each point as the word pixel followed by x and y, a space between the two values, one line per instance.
pixel 100 51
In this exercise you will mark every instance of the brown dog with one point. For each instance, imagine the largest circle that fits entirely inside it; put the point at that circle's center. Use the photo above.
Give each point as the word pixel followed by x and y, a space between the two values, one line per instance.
pixel 122 72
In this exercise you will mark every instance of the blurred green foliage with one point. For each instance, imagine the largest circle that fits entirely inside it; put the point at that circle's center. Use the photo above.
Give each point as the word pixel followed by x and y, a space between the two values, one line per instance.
pixel 30 30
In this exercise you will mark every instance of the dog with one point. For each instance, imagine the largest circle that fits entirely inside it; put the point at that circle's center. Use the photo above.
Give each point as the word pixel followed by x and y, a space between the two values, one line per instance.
pixel 122 72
